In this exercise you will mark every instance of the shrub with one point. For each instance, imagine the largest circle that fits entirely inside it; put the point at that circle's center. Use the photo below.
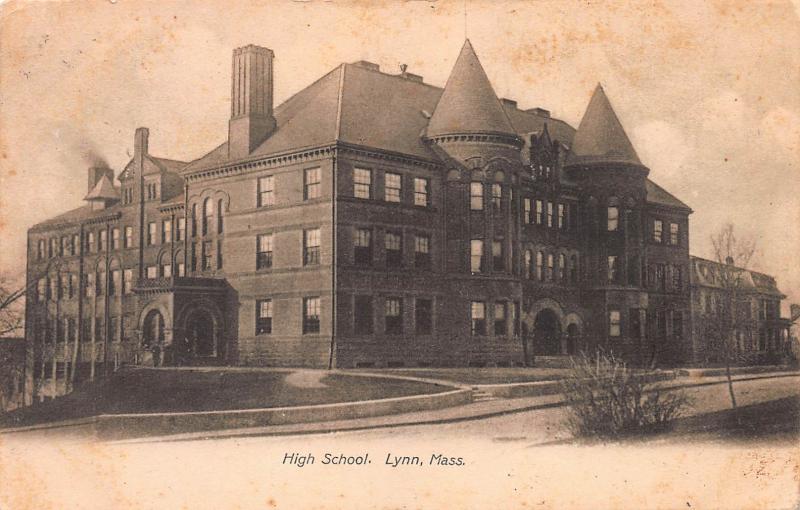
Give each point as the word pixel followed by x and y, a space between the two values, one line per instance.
pixel 608 399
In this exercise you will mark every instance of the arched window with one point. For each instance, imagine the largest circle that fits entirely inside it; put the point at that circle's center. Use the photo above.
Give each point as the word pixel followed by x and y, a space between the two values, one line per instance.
pixel 539 264
pixel 549 267
pixel 562 270
pixel 180 265
pixel 219 216
pixel 528 262
pixel 208 216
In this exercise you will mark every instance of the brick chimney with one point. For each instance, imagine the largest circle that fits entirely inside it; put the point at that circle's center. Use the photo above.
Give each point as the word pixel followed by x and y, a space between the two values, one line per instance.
pixel 251 100
pixel 140 144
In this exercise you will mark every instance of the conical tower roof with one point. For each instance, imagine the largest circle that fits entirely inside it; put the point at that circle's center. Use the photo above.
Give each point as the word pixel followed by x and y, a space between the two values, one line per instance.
pixel 600 137
pixel 468 103
pixel 103 190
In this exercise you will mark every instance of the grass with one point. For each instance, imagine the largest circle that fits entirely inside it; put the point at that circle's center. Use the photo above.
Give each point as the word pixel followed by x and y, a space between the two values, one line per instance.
pixel 482 375
pixel 154 391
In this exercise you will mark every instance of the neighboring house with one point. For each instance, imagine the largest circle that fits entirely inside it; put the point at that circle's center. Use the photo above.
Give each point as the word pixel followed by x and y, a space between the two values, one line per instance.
pixel 369 220
pixel 760 335
pixel 12 373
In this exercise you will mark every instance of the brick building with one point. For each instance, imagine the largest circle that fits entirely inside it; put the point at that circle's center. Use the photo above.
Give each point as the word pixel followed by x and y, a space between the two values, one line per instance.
pixel 369 220
pixel 751 305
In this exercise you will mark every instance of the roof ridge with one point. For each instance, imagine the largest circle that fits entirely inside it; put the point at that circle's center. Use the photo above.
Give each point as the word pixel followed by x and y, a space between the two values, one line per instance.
pixel 338 130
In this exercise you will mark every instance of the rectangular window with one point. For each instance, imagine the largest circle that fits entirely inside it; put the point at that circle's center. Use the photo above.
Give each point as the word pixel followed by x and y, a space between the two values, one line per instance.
pixel 311 179
pixel 73 285
pixel 128 237
pixel 311 308
pixel 613 271
pixel 180 232
pixel 98 329
pixel 127 281
pixel 207 256
pixel 674 234
pixel 115 282
pixel 362 245
pixel 115 239
pixel 562 224
pixel 166 231
pixel 362 316
pixel 658 228
pixel 152 272
pixel 63 290
pixel 101 282
pixel 89 283
pixel 634 323
pixel 40 249
pixel 422 251
pixel 497 196
pixel 421 192
pixel 550 214
pixel 362 183
pixel 526 215
pixel 660 277
pixel 393 184
pixel 393 312
pixel 549 269
pixel 151 233
pixel 613 219
pixel 677 278
pixel 103 237
pixel 500 320
pixel 264 251
pixel 539 208
pixel 181 269
pixel 478 318
pixel 311 247
pixel 476 196
pixel 64 246
pixel 677 324
pixel 266 189
pixel 89 241
pixel 219 254
pixel 476 256
pixel 393 242
pixel 613 323
pixel 76 244
pixel 423 316
pixel 562 268
pixel 264 317
pixel 498 259
pixel 166 270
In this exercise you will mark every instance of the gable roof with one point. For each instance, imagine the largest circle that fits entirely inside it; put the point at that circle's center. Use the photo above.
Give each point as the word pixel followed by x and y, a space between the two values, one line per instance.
pixel 103 190
pixel 468 103
pixel 659 196
pixel 154 165
pixel 600 137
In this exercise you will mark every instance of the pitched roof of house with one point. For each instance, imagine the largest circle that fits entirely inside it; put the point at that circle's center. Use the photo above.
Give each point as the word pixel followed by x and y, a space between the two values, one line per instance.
pixel 357 104
pixel 468 103
pixel 600 137
pixel 658 195
pixel 103 190
pixel 705 273
pixel 75 216
pixel 155 165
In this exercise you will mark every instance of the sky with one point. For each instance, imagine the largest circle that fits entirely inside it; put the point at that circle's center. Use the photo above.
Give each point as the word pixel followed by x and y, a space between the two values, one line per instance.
pixel 708 92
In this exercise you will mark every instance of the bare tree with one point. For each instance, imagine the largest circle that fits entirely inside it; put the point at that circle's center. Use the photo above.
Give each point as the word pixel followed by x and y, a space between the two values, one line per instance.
pixel 12 308
pixel 733 255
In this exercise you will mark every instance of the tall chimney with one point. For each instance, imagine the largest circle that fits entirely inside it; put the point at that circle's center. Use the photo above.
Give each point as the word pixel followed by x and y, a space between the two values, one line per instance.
pixel 251 100
pixel 140 143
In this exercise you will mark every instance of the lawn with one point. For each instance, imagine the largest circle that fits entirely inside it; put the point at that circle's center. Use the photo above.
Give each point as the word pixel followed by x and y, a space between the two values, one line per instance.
pixel 492 375
pixel 154 391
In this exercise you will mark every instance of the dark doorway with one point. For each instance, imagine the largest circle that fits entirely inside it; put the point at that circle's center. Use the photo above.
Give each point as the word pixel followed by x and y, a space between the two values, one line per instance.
pixel 572 339
pixel 153 333
pixel 200 334
pixel 547 333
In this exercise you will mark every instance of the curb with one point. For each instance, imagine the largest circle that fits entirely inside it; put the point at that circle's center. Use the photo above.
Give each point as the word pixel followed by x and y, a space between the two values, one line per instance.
pixel 233 434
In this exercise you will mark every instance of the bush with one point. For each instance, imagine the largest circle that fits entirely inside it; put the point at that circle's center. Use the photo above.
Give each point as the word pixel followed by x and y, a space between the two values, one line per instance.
pixel 608 399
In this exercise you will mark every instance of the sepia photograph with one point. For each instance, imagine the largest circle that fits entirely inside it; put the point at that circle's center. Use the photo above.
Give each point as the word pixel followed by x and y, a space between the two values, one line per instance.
pixel 403 254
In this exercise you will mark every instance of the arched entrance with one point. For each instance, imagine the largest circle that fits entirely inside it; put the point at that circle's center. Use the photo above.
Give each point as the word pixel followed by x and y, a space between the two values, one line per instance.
pixel 153 329
pixel 200 334
pixel 547 333
pixel 572 339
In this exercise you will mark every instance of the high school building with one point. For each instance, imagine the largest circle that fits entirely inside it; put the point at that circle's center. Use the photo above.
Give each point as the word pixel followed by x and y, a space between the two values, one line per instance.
pixel 369 220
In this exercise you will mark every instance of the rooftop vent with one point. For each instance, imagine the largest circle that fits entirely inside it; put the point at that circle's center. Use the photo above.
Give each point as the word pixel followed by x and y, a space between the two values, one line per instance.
pixel 367 65
pixel 541 112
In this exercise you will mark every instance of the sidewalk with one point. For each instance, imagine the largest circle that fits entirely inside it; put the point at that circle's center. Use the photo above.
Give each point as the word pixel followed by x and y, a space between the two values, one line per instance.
pixel 475 410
